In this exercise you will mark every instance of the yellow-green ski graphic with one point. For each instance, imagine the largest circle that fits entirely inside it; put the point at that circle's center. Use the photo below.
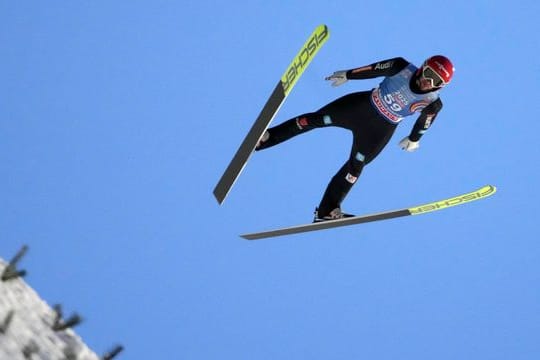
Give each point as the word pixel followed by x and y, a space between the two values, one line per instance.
pixel 283 88
pixel 458 200
pixel 481 193
pixel 304 57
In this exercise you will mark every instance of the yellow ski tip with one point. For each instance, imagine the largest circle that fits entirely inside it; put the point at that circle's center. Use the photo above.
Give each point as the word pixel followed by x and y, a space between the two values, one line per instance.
pixel 481 193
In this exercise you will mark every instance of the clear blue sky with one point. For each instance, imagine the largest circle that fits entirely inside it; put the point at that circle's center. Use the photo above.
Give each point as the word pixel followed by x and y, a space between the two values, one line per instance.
pixel 117 118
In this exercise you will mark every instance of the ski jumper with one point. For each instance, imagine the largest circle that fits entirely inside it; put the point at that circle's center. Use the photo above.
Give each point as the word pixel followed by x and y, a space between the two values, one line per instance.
pixel 371 116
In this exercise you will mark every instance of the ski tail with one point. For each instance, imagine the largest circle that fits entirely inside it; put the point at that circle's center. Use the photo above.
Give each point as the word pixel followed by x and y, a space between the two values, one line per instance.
pixel 481 193
pixel 285 85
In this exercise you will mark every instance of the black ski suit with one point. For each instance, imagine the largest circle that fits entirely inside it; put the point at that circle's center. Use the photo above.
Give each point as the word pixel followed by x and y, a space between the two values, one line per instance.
pixel 370 128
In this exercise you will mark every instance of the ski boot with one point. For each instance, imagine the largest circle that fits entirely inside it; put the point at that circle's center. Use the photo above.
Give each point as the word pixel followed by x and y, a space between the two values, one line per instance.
pixel 263 139
pixel 335 214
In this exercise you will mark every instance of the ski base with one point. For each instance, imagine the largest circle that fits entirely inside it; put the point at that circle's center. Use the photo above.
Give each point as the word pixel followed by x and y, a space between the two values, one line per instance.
pixel 281 91
pixel 481 193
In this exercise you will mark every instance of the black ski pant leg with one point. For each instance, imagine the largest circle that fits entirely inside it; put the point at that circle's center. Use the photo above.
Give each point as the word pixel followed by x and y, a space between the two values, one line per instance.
pixel 337 113
pixel 342 182
pixel 371 133
pixel 293 127
pixel 353 112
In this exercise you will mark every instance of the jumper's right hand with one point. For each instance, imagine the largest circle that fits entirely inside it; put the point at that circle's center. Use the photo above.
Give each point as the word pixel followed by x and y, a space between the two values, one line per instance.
pixel 338 78
pixel 408 145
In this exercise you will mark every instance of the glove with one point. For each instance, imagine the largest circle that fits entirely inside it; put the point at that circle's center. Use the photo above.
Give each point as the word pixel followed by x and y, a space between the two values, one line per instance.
pixel 338 78
pixel 408 145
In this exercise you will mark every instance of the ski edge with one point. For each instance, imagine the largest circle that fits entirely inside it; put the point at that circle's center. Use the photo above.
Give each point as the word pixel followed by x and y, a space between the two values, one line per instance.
pixel 481 193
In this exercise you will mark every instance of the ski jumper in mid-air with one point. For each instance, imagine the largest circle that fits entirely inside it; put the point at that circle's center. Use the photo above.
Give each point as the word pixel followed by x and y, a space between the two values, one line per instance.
pixel 372 116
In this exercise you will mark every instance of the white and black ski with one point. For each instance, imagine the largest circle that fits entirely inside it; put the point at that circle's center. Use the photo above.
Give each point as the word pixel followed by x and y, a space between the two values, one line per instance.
pixel 416 210
pixel 281 91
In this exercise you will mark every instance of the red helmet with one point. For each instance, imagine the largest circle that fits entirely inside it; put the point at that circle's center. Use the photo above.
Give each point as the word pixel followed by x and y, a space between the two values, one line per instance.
pixel 438 69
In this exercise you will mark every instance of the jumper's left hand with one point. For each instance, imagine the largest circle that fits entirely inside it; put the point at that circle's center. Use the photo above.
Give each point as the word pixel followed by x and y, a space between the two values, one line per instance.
pixel 338 78
pixel 408 145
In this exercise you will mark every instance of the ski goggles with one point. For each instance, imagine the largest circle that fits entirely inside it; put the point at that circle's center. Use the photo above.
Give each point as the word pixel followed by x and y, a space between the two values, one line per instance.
pixel 429 74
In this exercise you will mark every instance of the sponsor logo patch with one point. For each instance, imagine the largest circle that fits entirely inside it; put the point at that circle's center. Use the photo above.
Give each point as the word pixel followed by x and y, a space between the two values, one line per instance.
pixel 382 66
pixel 350 178
pixel 418 106
pixel 302 122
